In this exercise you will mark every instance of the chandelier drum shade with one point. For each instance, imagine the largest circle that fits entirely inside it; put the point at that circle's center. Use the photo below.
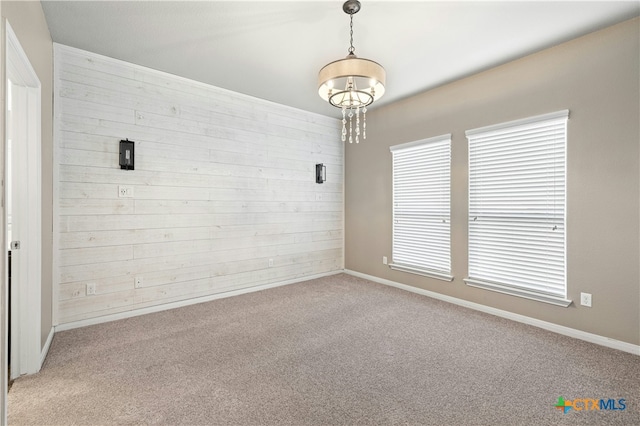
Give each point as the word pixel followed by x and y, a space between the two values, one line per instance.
pixel 351 73
pixel 352 84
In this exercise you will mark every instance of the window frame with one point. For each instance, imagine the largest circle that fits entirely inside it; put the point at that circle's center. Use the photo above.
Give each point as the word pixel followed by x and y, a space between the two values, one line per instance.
pixel 429 270
pixel 533 290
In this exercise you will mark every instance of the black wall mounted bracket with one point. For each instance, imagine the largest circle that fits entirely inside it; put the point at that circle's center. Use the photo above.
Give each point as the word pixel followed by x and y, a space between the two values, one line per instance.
pixel 127 150
pixel 321 173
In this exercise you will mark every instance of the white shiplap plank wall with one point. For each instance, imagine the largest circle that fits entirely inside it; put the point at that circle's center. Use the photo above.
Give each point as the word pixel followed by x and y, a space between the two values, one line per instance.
pixel 223 183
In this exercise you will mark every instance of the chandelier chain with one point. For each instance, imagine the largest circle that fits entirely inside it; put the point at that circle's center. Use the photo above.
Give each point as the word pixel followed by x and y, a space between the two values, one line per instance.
pixel 351 48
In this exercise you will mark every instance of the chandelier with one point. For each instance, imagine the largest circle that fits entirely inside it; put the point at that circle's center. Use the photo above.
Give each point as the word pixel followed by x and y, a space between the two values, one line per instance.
pixel 352 84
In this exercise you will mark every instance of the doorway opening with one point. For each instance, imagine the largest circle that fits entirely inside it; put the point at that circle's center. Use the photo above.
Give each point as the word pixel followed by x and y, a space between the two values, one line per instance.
pixel 23 203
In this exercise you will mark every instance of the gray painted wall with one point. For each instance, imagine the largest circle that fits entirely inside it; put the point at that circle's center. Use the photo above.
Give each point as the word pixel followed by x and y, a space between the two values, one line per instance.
pixel 596 78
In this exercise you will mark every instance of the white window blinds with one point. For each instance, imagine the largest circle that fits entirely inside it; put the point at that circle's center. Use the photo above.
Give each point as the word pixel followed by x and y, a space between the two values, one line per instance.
pixel 517 207
pixel 421 207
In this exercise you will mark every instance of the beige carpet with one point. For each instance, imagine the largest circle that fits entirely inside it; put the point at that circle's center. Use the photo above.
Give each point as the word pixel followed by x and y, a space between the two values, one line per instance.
pixel 332 351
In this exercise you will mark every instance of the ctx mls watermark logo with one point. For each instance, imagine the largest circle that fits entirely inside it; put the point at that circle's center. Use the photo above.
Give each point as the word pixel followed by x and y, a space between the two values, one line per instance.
pixel 590 404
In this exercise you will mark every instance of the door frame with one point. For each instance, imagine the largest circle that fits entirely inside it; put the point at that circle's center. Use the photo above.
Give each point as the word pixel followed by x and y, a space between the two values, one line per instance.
pixel 26 297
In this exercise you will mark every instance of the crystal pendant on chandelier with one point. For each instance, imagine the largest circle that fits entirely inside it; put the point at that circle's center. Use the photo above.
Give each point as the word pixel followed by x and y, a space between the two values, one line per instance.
pixel 352 84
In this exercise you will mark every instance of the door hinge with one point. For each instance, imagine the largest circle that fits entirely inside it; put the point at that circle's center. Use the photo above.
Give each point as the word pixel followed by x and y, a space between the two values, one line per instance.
pixel 15 245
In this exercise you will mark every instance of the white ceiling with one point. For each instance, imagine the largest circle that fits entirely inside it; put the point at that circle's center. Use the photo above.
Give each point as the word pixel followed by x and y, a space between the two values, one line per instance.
pixel 274 50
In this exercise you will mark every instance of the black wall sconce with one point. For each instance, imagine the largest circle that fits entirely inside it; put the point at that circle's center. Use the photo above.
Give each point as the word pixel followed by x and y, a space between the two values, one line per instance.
pixel 126 154
pixel 321 173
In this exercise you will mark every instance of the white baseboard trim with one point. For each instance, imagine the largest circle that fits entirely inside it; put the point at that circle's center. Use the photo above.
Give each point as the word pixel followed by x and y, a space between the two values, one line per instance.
pixel 45 348
pixel 560 329
pixel 182 303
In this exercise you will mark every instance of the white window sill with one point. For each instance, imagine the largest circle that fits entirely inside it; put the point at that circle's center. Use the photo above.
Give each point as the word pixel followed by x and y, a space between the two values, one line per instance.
pixel 554 300
pixel 423 272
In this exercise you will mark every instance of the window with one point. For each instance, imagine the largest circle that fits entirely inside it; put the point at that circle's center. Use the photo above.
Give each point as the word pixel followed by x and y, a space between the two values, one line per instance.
pixel 421 207
pixel 517 208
